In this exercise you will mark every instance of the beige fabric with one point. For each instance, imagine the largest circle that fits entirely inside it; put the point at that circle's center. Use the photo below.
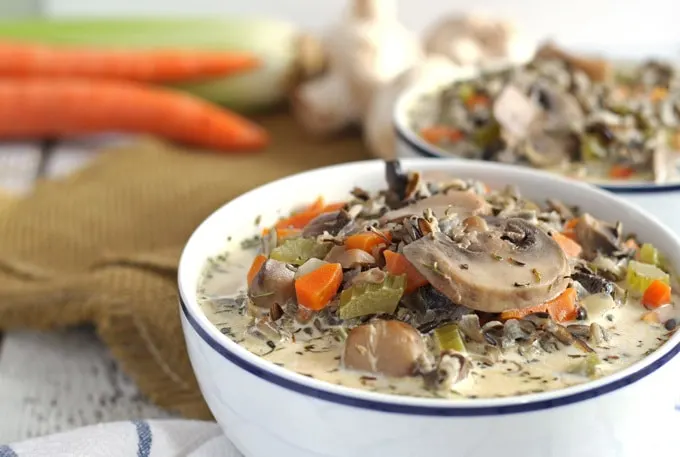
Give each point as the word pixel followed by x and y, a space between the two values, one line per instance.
pixel 102 246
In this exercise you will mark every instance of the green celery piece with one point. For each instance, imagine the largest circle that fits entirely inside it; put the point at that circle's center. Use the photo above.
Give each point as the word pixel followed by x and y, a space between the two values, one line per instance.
pixel 649 254
pixel 640 275
pixel 486 135
pixel 591 149
pixel 299 250
pixel 465 91
pixel 587 366
pixel 370 298
pixel 449 337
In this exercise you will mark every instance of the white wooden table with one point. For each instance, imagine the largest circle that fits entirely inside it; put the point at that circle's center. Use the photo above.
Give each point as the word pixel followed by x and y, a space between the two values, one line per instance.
pixel 61 380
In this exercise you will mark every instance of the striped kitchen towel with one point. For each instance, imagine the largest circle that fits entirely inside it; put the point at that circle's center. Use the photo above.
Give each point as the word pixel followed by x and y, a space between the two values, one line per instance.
pixel 154 438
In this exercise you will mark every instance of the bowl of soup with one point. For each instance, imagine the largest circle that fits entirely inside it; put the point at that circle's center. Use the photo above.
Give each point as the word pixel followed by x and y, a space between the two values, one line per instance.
pixel 619 129
pixel 429 307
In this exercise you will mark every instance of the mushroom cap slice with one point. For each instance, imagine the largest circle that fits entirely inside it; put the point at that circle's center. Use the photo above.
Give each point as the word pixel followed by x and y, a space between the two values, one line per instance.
pixel 513 264
pixel 392 348
pixel 273 284
pixel 463 203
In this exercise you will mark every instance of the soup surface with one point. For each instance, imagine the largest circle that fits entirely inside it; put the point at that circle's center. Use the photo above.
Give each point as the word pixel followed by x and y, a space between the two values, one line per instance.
pixel 557 115
pixel 444 290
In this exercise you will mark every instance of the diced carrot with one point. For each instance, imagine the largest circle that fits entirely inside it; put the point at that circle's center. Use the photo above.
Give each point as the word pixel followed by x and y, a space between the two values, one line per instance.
pixel 657 294
pixel 366 241
pixel 317 206
pixel 620 172
pixel 563 308
pixel 255 267
pixel 301 218
pixel 571 224
pixel 568 245
pixel 569 227
pixel 437 134
pixel 658 94
pixel 316 289
pixel 477 99
pixel 397 264
pixel 283 232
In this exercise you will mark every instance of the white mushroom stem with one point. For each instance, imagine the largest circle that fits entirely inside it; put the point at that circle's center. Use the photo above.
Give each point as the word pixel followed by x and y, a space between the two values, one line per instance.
pixel 477 40
pixel 367 49
pixel 378 119
pixel 374 10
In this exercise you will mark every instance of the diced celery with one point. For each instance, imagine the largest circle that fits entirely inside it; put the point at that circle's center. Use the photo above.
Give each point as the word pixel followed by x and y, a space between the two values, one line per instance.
pixel 485 136
pixel 370 298
pixel 465 91
pixel 591 149
pixel 587 366
pixel 649 254
pixel 449 337
pixel 299 250
pixel 641 275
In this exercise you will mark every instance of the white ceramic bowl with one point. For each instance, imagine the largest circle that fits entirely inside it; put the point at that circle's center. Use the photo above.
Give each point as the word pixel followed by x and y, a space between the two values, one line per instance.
pixel 268 411
pixel 655 197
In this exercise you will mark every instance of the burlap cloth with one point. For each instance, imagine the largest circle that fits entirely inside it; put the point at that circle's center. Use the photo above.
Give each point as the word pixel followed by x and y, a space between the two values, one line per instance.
pixel 102 247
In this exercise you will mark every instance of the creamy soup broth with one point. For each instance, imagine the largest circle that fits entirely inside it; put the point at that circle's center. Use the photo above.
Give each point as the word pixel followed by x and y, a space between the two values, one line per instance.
pixel 614 335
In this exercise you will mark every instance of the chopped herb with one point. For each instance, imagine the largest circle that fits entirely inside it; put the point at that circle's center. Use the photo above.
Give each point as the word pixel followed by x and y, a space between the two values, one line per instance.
pixel 520 284
pixel 537 274
pixel 271 344
pixel 299 353
pixel 497 257
pixel 258 219
pixel 435 268
pixel 464 266
pixel 250 243
pixel 610 317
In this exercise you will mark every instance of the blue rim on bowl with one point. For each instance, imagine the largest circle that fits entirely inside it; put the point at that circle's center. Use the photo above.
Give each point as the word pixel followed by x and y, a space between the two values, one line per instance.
pixel 422 148
pixel 292 381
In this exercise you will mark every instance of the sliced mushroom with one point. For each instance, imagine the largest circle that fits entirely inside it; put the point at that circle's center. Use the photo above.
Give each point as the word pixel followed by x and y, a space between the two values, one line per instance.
pixel 512 265
pixel 349 258
pixel 469 325
pixel 273 284
pixel 391 348
pixel 561 209
pixel 373 276
pixel 544 148
pixel 596 236
pixel 452 368
pixel 464 203
pixel 331 222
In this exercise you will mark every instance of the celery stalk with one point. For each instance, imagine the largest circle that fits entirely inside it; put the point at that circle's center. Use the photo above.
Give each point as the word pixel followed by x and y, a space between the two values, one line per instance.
pixel 640 275
pixel 286 52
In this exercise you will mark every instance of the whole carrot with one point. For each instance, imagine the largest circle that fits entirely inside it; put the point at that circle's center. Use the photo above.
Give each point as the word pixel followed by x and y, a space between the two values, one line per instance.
pixel 158 66
pixel 37 107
